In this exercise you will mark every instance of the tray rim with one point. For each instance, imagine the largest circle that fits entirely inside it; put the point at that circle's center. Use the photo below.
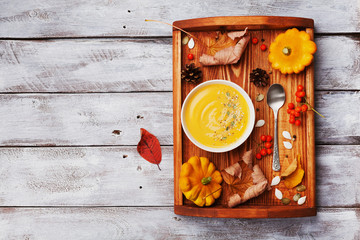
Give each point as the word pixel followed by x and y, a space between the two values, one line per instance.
pixel 239 22
pixel 247 211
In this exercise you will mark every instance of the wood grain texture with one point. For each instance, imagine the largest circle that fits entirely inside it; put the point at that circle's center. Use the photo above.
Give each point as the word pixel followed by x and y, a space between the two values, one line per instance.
pixel 310 126
pixel 268 205
pixel 112 176
pixel 232 23
pixel 162 223
pixel 84 119
pixel 51 18
pixel 106 176
pixel 177 128
pixel 128 65
pixel 85 65
pixel 54 119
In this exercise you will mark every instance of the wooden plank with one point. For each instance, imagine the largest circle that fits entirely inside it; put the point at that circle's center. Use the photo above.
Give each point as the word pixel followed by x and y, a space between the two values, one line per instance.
pixel 107 176
pixel 112 176
pixel 89 119
pixel 84 119
pixel 162 223
pixel 138 65
pixel 85 65
pixel 51 18
pixel 177 129
pixel 231 23
pixel 310 127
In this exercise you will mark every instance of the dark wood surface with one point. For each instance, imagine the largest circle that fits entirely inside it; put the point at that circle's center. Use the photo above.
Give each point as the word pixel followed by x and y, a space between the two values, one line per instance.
pixel 238 73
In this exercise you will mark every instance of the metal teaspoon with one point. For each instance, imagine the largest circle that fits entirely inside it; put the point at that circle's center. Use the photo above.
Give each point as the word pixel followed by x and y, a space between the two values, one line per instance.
pixel 275 100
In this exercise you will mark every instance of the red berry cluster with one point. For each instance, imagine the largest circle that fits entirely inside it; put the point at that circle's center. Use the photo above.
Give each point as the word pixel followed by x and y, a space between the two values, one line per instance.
pixel 295 111
pixel 254 40
pixel 267 150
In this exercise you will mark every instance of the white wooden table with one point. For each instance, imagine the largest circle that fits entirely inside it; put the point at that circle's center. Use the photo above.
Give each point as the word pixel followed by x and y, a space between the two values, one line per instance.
pixel 71 72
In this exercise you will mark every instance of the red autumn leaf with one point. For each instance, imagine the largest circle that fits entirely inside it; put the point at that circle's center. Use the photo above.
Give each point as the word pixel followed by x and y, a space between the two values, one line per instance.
pixel 149 147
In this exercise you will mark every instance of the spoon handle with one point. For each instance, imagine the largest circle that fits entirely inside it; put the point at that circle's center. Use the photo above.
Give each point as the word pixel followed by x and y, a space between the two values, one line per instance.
pixel 276 160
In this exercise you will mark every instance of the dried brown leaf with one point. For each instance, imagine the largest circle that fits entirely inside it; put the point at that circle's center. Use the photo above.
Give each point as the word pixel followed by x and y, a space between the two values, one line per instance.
pixel 225 50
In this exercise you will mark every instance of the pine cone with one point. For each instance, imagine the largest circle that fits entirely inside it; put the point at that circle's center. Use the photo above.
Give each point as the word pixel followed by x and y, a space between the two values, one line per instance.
pixel 259 77
pixel 191 73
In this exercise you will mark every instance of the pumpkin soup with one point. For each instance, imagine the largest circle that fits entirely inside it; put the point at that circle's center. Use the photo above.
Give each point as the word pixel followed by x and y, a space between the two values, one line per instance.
pixel 216 115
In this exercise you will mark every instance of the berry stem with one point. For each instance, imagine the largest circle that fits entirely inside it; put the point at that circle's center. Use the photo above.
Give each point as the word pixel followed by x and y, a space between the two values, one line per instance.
pixel 150 20
pixel 313 109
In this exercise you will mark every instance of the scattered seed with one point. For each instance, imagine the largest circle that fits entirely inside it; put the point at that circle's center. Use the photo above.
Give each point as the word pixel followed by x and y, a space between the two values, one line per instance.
pixel 302 200
pixel 228 113
pixel 294 138
pixel 228 94
pixel 259 97
pixel 224 138
pixel 275 181
pixel 297 197
pixel 278 194
pixel 234 116
pixel 260 123
pixel 191 43
pixel 301 188
pixel 286 135
pixel 287 145
pixel 285 201
pixel 185 40
pixel 232 123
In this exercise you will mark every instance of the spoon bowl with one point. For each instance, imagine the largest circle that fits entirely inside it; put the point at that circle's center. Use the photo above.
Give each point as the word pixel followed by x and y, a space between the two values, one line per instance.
pixel 275 99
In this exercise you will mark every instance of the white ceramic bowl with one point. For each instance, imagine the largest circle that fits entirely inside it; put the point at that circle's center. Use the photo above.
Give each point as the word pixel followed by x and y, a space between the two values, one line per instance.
pixel 249 127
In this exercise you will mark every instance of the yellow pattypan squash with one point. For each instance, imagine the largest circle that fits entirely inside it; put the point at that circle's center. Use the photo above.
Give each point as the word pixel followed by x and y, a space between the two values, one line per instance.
pixel 291 51
pixel 200 181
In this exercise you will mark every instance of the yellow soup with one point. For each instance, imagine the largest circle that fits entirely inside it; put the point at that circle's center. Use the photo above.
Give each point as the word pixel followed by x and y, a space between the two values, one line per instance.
pixel 216 115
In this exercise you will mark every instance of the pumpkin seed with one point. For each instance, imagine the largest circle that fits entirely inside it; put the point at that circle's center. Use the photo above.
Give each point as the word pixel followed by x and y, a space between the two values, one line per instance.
pixel 228 94
pixel 228 113
pixel 275 181
pixel 259 97
pixel 260 123
pixel 297 197
pixel 302 200
pixel 278 194
pixel 300 188
pixel 286 135
pixel 285 201
pixel 287 145
pixel 185 40
pixel 191 43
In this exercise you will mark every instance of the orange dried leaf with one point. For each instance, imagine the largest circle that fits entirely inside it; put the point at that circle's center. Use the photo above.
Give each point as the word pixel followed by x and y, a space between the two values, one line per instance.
pixel 296 177
pixel 290 169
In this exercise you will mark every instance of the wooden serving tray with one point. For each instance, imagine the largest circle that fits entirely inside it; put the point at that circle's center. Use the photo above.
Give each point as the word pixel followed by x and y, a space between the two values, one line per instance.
pixel 267 28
